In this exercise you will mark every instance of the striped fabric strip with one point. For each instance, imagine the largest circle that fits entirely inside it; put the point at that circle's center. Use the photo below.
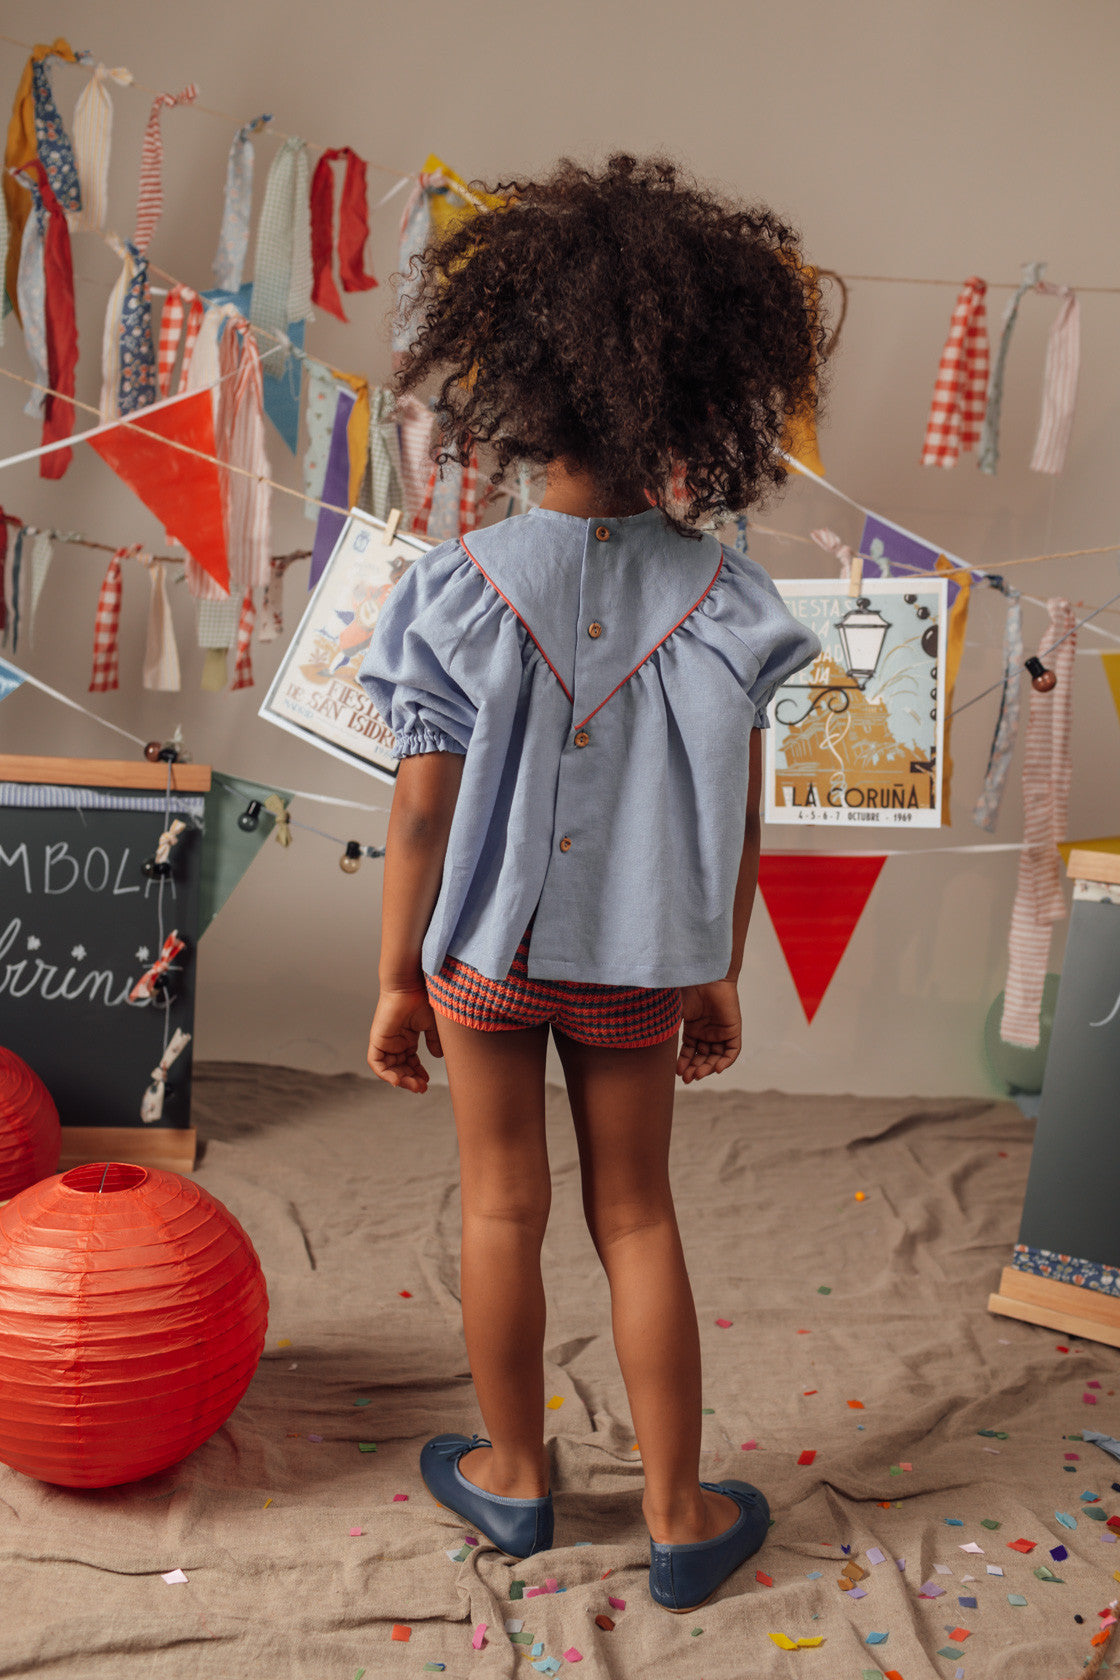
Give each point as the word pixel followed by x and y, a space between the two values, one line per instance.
pixel 468 495
pixel 1059 381
pixel 961 385
pixel 243 668
pixel 181 303
pixel 988 458
pixel 240 441
pixel 423 516
pixel 384 454
pixel 233 237
pixel 986 813
pixel 150 203
pixel 1039 900
pixel 5 301
pixel 93 136
pixel 106 625
pixel 161 654
pixel 414 423
pixel 47 796
pixel 282 267
pixel 199 373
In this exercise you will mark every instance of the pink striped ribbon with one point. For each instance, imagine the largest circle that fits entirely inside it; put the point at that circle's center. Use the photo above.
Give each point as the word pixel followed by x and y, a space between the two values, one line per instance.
pixel 240 441
pixel 1039 900
pixel 1059 381
pixel 150 204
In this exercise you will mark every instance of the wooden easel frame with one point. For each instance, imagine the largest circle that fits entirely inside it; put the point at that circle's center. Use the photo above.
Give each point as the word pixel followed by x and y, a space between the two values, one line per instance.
pixel 171 1149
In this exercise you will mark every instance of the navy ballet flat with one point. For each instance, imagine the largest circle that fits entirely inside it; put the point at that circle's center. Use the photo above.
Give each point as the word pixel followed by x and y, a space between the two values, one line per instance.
pixel 683 1577
pixel 519 1527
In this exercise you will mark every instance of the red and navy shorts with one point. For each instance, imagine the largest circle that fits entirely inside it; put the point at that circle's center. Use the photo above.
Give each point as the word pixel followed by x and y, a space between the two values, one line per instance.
pixel 614 1017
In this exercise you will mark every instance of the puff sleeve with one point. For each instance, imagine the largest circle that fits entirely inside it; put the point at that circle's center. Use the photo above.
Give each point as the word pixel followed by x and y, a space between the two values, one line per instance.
pixel 782 645
pixel 405 669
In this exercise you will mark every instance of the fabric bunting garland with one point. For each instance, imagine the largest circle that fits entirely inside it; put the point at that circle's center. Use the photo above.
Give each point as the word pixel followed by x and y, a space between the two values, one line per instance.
pixel 815 902
pixel 149 206
pixel 415 421
pixel 353 230
pixel 335 487
pixel 386 486
pixel 1059 381
pixel 986 813
pixel 52 143
pixel 240 441
pixel 1039 900
pixel 52 312
pixel 181 305
pixel 283 386
pixel 93 134
pixel 22 145
pixel 181 489
pixel 161 654
pixel 111 338
pixel 106 626
pixel 282 272
pixel 988 458
pixel 450 506
pixel 136 363
pixel 233 237
pixel 960 389
pixel 272 607
pixel 243 668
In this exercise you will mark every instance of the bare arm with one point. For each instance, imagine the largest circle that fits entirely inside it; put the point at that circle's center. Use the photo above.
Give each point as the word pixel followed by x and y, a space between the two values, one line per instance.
pixel 748 864
pixel 424 798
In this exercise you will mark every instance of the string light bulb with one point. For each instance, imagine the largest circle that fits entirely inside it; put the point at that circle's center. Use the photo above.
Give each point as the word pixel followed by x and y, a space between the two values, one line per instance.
pixel 250 818
pixel 351 860
pixel 1041 679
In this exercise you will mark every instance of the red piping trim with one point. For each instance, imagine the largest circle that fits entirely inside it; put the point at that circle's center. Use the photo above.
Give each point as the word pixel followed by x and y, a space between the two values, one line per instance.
pixel 705 591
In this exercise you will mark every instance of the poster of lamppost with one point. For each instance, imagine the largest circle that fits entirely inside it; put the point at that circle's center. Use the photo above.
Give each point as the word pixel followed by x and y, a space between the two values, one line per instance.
pixel 857 737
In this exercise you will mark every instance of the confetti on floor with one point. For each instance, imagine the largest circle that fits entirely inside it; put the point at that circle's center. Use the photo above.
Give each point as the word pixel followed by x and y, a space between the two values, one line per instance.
pixel 807 1456
pixel 399 1631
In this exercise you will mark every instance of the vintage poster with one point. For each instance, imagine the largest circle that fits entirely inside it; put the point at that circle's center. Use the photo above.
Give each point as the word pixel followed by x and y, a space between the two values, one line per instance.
pixel 315 693
pixel 857 736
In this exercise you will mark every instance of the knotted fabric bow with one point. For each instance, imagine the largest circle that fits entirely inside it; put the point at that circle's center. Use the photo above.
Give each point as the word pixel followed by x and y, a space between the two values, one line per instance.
pixel 454 1448
pixel 276 807
pixel 93 136
pixel 144 989
pixel 1046 778
pixel 151 1104
pixel 959 391
pixel 169 838
pixel 106 626
pixel 22 145
pixel 150 203
pixel 989 434
pixel 353 230
pixel 233 239
pixel 1059 381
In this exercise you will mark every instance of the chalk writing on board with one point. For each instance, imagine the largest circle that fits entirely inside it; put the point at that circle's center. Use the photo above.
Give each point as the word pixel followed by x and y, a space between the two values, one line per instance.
pixel 64 869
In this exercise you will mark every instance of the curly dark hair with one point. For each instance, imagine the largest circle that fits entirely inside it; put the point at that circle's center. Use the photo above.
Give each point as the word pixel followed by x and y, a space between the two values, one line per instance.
pixel 629 323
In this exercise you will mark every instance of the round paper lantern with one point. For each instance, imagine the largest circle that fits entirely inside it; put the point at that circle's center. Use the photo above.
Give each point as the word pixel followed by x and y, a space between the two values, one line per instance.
pixel 1016 1068
pixel 133 1312
pixel 30 1135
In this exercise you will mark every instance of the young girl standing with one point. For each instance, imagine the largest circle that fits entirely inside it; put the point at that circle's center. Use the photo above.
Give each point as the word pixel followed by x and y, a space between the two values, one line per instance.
pixel 577 695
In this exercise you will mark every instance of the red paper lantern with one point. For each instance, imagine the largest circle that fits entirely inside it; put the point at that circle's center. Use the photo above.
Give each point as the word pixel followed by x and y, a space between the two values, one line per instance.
pixel 133 1312
pixel 30 1134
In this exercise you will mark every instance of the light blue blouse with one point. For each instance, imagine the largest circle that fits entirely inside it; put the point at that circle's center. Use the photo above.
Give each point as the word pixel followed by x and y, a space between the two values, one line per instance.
pixel 602 677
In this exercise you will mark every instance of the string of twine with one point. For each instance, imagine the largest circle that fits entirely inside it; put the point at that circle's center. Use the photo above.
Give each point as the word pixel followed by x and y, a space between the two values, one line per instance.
pixel 73 539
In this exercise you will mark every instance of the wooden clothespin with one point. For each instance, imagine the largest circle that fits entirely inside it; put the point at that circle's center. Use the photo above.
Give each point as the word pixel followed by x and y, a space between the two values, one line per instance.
pixel 391 524
pixel 855 576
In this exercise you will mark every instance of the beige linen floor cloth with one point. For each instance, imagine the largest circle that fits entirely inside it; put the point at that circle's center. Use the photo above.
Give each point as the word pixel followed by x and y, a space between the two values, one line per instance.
pixel 349 1192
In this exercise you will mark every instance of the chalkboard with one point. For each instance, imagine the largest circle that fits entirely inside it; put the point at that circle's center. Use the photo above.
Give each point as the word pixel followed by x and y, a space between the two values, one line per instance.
pixel 1072 1202
pixel 79 925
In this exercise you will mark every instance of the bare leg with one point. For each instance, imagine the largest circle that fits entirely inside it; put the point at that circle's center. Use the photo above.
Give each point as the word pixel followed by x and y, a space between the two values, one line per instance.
pixel 496 1080
pixel 622 1106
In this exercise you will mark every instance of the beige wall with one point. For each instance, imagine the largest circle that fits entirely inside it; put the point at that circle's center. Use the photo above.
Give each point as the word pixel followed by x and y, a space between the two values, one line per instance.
pixel 928 139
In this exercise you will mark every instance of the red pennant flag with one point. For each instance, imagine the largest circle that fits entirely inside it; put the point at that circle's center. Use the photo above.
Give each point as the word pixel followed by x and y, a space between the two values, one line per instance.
pixel 815 902
pixel 183 491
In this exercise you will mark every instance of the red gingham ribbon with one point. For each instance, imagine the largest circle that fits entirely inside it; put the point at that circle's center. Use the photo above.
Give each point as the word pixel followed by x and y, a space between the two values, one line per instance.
pixel 106 624
pixel 150 204
pixel 469 508
pixel 243 669
pixel 960 390
pixel 175 307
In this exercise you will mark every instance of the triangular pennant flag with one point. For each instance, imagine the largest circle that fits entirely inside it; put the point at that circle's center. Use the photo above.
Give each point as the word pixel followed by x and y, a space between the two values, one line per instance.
pixel 181 489
pixel 10 679
pixel 815 902
pixel 1111 663
pixel 230 849
pixel 336 489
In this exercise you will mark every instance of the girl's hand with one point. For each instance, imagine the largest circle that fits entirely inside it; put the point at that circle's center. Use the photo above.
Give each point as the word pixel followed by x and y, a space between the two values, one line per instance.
pixel 401 1016
pixel 712 1035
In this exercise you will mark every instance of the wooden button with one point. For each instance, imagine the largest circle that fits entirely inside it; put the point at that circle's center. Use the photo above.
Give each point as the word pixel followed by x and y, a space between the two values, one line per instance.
pixel 565 844
pixel 582 738
pixel 602 532
pixel 595 629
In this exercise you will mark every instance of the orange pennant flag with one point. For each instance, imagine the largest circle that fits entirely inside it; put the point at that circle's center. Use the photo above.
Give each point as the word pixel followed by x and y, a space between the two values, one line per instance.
pixel 815 902
pixel 182 490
